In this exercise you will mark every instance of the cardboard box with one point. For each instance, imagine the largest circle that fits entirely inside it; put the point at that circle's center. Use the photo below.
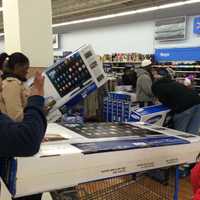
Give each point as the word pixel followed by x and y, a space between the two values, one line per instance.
pixel 153 114
pixel 61 164
pixel 71 79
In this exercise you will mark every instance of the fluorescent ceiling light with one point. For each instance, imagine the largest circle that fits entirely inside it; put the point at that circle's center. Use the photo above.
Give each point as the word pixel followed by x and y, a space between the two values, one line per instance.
pixel 1 9
pixel 133 12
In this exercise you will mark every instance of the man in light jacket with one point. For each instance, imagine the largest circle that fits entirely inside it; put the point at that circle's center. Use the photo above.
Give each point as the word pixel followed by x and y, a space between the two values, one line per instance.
pixel 144 93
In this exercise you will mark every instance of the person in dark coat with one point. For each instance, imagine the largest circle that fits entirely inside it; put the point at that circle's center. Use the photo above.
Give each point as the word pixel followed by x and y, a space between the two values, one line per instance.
pixel 184 103
pixel 129 78
pixel 23 138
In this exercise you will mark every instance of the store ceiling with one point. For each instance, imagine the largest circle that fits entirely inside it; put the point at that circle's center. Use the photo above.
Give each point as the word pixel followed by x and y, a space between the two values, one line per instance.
pixel 69 10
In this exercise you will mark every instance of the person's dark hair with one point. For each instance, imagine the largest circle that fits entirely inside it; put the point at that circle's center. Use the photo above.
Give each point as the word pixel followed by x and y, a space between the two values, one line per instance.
pixel 3 57
pixel 16 59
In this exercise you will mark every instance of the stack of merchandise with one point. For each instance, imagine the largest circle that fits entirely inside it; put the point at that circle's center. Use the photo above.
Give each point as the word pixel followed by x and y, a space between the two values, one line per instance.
pixel 117 107
pixel 125 57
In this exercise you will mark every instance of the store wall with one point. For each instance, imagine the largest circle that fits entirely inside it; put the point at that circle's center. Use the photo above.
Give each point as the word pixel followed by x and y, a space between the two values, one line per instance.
pixel 130 37
pixel 137 37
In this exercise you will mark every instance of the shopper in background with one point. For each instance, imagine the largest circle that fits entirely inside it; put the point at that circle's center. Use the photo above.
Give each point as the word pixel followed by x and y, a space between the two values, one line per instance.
pixel 167 73
pixel 14 93
pixel 3 57
pixel 187 82
pixel 184 103
pixel 134 79
pixel 126 79
pixel 2 103
pixel 156 74
pixel 24 138
pixel 144 94
pixel 129 78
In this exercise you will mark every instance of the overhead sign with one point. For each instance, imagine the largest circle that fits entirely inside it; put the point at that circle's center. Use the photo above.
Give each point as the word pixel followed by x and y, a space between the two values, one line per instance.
pixel 197 25
pixel 178 54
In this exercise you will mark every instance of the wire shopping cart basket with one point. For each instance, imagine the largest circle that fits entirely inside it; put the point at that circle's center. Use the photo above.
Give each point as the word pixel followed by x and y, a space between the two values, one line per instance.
pixel 151 185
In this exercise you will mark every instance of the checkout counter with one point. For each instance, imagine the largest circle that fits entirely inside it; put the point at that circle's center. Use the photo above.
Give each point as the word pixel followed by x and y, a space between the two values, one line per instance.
pixel 77 154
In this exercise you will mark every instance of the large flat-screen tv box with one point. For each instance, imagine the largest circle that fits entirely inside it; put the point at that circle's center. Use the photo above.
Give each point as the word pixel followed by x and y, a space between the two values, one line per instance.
pixel 71 79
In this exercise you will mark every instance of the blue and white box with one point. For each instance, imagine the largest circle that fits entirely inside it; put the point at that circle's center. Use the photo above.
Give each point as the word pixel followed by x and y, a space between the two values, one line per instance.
pixel 71 80
pixel 117 107
pixel 122 96
pixel 196 28
pixel 153 115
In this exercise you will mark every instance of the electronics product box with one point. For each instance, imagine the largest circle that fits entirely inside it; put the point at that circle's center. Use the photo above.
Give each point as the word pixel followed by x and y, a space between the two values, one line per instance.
pixel 122 95
pixel 71 79
pixel 119 96
pixel 116 110
pixel 95 151
pixel 153 115
pixel 118 106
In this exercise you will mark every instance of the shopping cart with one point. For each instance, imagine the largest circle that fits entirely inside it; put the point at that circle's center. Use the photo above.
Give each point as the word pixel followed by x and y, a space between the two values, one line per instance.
pixel 159 184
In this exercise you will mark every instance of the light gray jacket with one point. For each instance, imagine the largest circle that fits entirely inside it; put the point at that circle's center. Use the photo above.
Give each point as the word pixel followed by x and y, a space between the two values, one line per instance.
pixel 143 87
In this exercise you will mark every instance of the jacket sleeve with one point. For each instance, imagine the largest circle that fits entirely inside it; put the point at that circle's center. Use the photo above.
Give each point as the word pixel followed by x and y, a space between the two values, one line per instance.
pixel 13 100
pixel 23 138
pixel 146 84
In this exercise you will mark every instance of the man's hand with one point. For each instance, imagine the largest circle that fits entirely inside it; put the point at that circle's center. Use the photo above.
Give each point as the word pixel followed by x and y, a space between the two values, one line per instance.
pixel 38 85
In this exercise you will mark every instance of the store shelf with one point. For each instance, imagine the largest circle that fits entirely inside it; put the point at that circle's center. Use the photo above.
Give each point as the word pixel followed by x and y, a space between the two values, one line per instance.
pixel 116 68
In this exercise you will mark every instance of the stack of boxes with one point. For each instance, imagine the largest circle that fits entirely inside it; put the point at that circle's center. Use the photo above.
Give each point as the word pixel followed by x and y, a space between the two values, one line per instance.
pixel 117 107
pixel 158 114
